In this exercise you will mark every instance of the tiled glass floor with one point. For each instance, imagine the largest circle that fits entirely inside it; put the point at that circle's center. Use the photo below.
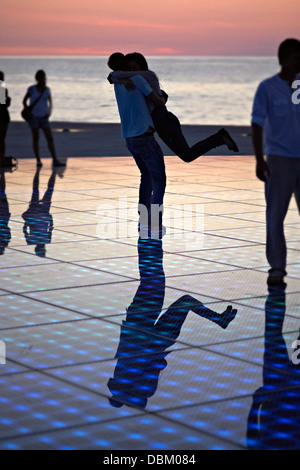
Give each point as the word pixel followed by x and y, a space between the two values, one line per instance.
pixel 111 342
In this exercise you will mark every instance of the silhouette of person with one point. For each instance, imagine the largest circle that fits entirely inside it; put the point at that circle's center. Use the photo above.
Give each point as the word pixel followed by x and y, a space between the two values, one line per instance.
pixel 5 234
pixel 38 222
pixel 5 102
pixel 166 124
pixel 275 133
pixel 138 131
pixel 147 333
pixel 40 115
pixel 273 420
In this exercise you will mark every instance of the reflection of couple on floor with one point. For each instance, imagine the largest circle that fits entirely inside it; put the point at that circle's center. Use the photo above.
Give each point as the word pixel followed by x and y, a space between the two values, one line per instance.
pixel 147 333
pixel 273 421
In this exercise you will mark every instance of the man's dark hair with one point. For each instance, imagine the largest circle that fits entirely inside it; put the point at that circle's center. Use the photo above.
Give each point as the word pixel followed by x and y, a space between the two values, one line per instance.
pixel 138 58
pixel 117 61
pixel 287 47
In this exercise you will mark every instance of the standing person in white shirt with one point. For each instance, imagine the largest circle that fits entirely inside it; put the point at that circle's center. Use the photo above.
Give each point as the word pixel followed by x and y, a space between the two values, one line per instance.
pixel 276 134
pixel 138 131
pixel 4 118
pixel 40 115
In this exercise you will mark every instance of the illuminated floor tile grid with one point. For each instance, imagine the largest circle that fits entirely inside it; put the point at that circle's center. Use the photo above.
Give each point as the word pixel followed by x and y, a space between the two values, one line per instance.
pixel 112 342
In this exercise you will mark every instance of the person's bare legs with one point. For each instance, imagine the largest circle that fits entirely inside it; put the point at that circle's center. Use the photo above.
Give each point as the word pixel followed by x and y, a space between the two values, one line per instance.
pixel 35 143
pixel 50 141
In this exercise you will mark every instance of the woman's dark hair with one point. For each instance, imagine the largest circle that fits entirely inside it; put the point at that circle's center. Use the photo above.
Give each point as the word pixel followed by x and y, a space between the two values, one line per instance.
pixel 287 47
pixel 138 58
pixel 40 74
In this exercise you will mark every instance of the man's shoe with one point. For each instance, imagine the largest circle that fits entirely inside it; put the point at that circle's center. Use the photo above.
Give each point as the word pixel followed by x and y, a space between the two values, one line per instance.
pixel 143 230
pixel 156 233
pixel 273 281
pixel 228 140
pixel 8 162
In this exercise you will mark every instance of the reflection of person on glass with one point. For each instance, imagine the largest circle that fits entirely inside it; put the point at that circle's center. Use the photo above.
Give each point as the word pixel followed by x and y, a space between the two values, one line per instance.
pixel 38 223
pixel 144 337
pixel 5 234
pixel 166 123
pixel 273 422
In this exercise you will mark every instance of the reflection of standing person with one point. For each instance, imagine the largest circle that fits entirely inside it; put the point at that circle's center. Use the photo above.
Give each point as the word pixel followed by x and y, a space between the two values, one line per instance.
pixel 147 332
pixel 40 115
pixel 38 222
pixel 276 133
pixel 273 421
pixel 138 131
pixel 166 124
pixel 4 121
pixel 5 234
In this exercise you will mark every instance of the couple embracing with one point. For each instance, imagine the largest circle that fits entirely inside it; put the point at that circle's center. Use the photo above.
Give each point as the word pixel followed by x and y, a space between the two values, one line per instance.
pixel 142 109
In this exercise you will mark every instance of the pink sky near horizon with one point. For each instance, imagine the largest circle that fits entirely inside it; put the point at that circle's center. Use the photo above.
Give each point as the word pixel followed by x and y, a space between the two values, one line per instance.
pixel 159 27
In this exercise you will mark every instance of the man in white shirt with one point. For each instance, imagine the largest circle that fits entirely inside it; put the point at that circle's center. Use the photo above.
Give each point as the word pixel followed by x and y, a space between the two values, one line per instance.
pixel 276 134
pixel 138 131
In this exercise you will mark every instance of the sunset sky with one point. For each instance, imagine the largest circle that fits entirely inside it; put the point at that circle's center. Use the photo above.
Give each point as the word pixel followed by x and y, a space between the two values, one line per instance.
pixel 183 27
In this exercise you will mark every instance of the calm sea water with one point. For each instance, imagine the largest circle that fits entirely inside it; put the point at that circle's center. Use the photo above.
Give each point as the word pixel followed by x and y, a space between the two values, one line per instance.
pixel 202 90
